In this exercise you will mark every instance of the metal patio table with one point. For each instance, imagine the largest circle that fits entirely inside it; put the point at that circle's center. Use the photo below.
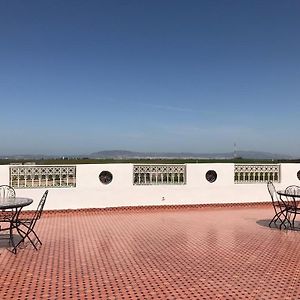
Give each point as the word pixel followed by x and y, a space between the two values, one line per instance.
pixel 15 204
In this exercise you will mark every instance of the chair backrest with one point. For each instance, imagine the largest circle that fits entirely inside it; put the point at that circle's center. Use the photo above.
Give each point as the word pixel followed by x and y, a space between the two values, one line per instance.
pixel 277 202
pixel 38 213
pixel 292 190
pixel 7 191
pixel 41 205
pixel 272 192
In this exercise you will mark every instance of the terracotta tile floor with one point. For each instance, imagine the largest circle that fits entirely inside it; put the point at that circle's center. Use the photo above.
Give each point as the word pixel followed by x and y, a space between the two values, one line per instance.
pixel 185 253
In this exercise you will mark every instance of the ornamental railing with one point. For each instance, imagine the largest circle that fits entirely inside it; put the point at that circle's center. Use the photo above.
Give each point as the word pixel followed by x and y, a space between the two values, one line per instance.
pixel 42 176
pixel 256 173
pixel 159 174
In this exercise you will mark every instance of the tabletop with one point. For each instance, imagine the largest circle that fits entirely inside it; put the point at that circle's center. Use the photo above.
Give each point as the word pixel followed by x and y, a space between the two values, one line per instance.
pixel 17 202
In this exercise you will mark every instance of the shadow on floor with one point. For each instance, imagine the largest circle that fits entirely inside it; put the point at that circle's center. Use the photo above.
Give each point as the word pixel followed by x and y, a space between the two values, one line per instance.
pixel 265 223
pixel 5 242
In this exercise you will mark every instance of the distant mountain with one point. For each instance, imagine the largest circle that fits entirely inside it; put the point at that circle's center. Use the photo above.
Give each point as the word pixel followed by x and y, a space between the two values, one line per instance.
pixel 262 155
pixel 123 154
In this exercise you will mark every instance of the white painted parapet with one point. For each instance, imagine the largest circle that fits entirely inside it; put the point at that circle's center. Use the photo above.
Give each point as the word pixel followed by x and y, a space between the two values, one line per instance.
pixel 89 192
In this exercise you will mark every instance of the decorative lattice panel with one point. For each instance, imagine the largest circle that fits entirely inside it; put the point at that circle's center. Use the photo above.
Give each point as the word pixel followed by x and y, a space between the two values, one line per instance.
pixel 159 174
pixel 42 176
pixel 256 173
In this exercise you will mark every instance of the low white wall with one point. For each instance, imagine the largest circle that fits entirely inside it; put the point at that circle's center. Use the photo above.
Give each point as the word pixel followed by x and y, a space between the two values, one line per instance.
pixel 91 193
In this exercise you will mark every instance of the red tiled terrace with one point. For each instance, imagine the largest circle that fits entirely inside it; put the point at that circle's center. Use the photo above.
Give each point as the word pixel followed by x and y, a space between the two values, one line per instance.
pixel 165 253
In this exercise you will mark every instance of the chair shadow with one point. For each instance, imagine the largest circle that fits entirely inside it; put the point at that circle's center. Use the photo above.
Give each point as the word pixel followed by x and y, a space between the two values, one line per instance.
pixel 5 242
pixel 265 223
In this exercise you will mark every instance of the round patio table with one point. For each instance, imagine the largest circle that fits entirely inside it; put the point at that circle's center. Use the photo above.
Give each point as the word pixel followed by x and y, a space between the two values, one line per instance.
pixel 15 204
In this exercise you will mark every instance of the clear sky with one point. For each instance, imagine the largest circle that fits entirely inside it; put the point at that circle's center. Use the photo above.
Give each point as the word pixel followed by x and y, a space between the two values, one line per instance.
pixel 159 75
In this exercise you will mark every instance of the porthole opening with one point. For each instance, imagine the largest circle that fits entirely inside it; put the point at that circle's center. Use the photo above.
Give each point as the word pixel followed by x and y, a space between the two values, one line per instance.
pixel 211 176
pixel 105 177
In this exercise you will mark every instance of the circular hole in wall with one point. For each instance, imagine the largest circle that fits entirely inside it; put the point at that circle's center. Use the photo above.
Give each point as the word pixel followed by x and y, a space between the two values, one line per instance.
pixel 105 177
pixel 211 176
pixel 298 175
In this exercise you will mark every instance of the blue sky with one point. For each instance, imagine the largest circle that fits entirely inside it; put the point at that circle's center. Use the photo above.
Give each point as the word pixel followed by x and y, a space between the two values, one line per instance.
pixel 83 76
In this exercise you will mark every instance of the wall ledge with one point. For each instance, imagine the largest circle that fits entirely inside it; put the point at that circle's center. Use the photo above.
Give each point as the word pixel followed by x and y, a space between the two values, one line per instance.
pixel 87 211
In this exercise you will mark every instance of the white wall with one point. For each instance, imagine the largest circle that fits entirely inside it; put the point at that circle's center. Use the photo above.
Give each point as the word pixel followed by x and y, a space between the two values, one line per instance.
pixel 91 193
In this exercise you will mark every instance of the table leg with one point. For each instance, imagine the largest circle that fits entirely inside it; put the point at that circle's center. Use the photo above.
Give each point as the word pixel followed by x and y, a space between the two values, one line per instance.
pixel 14 224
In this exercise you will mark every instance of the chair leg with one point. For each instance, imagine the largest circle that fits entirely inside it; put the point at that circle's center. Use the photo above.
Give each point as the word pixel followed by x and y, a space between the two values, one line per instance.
pixel 285 213
pixel 31 241
pixel 273 220
pixel 24 235
pixel 276 218
pixel 293 222
pixel 36 237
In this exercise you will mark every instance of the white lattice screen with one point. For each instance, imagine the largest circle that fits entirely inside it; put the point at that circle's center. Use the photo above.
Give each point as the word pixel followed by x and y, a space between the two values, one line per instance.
pixel 42 176
pixel 256 173
pixel 159 174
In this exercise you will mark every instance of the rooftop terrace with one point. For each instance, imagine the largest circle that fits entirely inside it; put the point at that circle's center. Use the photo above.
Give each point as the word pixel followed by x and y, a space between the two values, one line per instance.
pixel 156 253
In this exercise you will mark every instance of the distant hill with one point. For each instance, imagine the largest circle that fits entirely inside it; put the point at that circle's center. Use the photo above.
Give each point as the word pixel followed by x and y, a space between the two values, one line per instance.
pixel 123 154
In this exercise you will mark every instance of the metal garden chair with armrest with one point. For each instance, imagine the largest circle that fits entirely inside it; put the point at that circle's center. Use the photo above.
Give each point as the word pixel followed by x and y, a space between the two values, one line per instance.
pixel 26 227
pixel 6 191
